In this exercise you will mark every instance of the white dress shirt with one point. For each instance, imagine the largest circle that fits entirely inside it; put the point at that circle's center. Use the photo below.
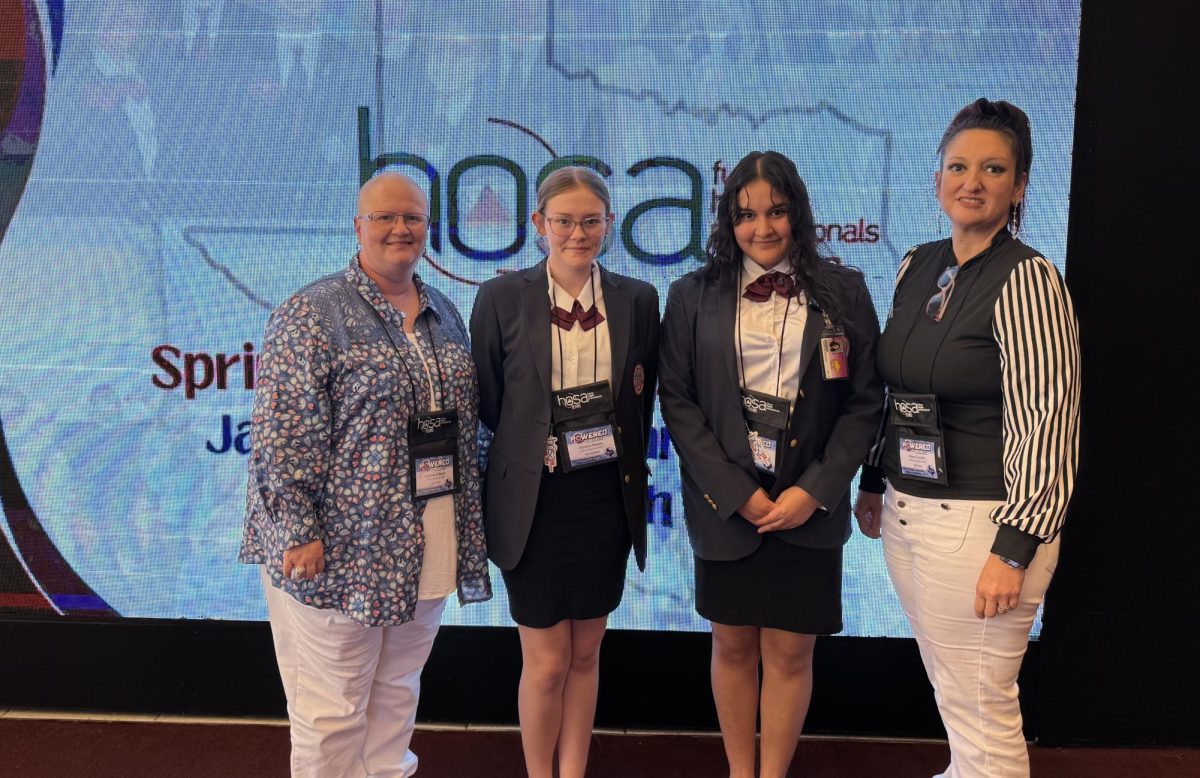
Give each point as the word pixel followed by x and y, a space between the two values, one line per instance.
pixel 580 350
pixel 761 325
pixel 439 565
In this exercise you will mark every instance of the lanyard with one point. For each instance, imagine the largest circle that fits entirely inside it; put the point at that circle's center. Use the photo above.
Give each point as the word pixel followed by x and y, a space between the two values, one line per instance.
pixel 412 378
pixel 782 331
pixel 558 329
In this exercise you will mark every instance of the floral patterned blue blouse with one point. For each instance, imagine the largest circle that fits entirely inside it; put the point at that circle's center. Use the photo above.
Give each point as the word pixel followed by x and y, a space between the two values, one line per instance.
pixel 329 453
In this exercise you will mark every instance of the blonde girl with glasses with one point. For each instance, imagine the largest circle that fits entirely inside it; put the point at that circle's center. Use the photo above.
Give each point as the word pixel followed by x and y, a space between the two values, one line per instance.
pixel 567 355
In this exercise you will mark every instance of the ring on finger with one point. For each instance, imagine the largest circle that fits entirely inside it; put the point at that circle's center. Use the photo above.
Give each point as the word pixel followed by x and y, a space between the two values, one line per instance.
pixel 299 571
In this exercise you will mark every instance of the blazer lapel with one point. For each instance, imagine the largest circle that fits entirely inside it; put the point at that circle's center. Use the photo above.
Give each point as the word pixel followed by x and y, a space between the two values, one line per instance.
pixel 619 308
pixel 535 307
pixel 813 326
pixel 719 310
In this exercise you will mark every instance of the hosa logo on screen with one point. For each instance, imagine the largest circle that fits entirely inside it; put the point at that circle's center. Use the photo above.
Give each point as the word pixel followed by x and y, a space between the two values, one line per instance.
pixel 458 211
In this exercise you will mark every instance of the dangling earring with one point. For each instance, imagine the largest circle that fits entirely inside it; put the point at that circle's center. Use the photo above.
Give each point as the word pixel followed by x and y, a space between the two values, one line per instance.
pixel 937 208
pixel 542 244
pixel 1014 217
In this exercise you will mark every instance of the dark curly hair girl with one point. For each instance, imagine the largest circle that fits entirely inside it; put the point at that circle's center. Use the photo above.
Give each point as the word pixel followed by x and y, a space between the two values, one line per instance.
pixel 815 274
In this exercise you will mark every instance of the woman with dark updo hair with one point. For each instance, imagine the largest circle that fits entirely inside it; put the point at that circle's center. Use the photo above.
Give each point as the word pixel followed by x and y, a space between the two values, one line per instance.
pixel 768 387
pixel 981 359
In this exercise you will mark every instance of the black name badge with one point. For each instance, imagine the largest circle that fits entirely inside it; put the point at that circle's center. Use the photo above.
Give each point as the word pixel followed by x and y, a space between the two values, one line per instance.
pixel 917 425
pixel 433 454
pixel 585 426
pixel 766 418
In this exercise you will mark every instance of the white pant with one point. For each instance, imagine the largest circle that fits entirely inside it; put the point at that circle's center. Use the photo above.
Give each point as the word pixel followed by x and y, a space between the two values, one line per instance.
pixel 351 690
pixel 935 550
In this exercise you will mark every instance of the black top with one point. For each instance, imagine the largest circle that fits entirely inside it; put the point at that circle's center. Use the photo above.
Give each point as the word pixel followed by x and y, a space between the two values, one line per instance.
pixel 1003 363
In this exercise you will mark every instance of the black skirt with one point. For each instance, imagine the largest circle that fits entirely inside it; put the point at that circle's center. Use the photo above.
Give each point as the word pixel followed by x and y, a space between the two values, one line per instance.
pixel 780 586
pixel 573 566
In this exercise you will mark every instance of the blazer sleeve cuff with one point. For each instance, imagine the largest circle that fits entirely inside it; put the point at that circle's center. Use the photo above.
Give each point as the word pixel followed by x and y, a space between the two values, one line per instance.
pixel 725 501
pixel 871 480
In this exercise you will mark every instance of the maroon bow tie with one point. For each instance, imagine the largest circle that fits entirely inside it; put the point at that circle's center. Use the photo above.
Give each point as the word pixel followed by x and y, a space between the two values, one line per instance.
pixel 566 319
pixel 759 290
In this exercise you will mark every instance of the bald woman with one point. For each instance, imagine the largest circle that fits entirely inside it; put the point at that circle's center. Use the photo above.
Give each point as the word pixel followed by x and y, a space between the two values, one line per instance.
pixel 363 503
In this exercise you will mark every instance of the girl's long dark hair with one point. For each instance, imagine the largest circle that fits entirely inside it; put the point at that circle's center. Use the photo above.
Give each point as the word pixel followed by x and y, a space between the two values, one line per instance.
pixel 817 275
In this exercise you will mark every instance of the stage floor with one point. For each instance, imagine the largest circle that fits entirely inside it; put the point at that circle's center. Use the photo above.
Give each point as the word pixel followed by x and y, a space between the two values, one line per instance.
pixel 35 744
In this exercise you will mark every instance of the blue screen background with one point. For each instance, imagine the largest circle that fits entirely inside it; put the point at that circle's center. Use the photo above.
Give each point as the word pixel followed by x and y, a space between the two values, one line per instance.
pixel 185 182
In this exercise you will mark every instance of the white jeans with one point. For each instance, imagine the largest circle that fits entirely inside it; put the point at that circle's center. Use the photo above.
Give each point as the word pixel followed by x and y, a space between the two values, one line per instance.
pixel 935 550
pixel 351 690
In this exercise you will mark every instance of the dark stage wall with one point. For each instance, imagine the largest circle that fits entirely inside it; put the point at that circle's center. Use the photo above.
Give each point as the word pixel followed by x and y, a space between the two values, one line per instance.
pixel 1117 661
pixel 1120 645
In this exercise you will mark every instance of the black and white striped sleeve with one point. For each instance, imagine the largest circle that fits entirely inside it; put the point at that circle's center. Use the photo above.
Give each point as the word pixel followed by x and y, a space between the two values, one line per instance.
pixel 871 478
pixel 1034 324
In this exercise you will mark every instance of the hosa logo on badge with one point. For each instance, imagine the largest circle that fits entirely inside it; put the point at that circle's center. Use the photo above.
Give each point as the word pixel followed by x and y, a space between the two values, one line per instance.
pixel 431 424
pixel 755 405
pixel 577 401
pixel 911 409
pixel 580 437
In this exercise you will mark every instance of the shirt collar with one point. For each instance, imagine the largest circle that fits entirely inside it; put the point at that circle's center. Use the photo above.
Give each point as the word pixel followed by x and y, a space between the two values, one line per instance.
pixel 997 240
pixel 557 292
pixel 374 295
pixel 751 270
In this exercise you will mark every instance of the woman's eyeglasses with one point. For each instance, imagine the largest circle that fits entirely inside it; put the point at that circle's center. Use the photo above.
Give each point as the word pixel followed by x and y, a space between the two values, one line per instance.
pixel 389 219
pixel 563 227
pixel 936 306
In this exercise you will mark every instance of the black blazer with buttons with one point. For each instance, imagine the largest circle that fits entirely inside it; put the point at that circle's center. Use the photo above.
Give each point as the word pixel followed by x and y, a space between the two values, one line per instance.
pixel 510 339
pixel 832 426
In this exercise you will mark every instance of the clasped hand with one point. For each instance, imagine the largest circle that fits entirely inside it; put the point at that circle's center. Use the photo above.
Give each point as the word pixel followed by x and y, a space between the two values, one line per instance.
pixel 792 508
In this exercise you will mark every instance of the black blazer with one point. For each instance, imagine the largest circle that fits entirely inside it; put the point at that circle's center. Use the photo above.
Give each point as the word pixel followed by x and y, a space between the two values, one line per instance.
pixel 510 338
pixel 833 422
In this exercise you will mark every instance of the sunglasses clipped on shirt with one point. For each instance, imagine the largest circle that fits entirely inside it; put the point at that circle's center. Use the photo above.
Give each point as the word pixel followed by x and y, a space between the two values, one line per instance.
pixel 936 307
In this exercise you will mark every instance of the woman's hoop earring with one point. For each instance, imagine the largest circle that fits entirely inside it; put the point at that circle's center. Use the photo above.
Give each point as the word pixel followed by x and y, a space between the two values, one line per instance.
pixel 939 226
